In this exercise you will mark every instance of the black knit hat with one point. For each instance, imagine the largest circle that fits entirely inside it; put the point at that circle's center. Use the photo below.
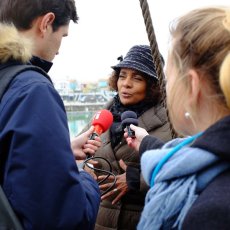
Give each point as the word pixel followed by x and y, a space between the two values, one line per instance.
pixel 139 58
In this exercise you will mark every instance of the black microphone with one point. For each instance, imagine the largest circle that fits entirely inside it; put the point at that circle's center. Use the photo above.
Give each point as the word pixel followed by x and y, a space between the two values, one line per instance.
pixel 128 118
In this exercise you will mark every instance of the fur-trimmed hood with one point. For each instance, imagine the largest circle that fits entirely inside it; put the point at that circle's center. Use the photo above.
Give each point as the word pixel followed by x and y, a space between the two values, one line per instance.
pixel 13 46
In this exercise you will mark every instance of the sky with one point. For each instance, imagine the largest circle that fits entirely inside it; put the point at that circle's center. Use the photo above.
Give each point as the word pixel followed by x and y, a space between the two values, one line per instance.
pixel 109 28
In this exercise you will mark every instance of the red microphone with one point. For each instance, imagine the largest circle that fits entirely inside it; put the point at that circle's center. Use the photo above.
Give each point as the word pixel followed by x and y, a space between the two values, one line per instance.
pixel 102 121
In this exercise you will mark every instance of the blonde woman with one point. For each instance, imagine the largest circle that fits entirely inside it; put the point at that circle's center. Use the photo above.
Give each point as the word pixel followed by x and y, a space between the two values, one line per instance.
pixel 190 177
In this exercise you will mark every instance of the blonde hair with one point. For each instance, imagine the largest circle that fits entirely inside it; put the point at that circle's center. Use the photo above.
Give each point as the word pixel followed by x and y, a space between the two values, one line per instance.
pixel 225 78
pixel 201 41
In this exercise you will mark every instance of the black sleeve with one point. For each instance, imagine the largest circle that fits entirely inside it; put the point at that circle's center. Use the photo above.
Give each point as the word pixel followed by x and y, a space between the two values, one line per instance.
pixel 133 178
pixel 150 142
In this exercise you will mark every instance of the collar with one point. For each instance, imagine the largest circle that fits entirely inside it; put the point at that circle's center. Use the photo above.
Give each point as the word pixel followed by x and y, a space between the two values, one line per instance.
pixel 45 65
pixel 216 139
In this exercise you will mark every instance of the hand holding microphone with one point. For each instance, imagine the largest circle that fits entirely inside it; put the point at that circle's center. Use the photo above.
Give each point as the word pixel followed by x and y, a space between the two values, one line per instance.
pixel 102 120
pixel 135 134
pixel 88 142
pixel 140 133
pixel 80 144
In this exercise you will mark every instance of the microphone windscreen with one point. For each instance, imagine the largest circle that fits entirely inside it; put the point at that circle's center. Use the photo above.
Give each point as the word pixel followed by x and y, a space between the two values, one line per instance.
pixel 128 114
pixel 103 118
pixel 129 121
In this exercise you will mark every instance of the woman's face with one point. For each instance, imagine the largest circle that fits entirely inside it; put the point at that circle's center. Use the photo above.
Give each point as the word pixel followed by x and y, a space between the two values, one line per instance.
pixel 131 86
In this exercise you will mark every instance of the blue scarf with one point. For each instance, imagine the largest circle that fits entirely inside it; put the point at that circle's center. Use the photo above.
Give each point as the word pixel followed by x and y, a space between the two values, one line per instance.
pixel 177 183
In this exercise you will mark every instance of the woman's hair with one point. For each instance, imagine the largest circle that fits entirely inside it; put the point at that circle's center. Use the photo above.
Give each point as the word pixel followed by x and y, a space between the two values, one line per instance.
pixel 23 12
pixel 225 78
pixel 153 91
pixel 201 41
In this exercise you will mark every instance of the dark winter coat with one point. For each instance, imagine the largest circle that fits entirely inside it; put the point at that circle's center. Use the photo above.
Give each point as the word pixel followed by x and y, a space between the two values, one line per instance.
pixel 211 210
pixel 38 170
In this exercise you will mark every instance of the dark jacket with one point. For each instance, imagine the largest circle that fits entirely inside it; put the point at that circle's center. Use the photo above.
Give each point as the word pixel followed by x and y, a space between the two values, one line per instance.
pixel 126 213
pixel 211 210
pixel 38 169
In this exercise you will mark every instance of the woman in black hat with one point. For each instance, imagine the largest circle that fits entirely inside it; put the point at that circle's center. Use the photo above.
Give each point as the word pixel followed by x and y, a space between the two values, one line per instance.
pixel 135 81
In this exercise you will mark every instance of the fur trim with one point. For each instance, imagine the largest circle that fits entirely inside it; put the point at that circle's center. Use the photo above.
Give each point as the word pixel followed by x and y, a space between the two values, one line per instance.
pixel 13 46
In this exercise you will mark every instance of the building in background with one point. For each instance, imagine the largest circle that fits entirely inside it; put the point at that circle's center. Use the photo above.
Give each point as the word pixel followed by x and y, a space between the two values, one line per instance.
pixel 79 96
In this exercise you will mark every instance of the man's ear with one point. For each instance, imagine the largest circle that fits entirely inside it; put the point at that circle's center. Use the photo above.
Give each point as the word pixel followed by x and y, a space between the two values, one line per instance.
pixel 46 22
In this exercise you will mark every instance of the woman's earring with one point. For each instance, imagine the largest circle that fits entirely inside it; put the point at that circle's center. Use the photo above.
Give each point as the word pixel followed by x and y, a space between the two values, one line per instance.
pixel 187 115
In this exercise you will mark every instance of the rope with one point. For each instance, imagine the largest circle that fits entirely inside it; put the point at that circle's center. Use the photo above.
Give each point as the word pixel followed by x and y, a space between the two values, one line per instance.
pixel 156 55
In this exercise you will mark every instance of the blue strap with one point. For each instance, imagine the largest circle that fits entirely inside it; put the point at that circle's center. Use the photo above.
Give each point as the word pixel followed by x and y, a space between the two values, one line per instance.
pixel 170 154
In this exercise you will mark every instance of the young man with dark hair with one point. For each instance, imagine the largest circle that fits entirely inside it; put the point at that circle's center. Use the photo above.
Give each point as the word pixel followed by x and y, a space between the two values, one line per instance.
pixel 38 170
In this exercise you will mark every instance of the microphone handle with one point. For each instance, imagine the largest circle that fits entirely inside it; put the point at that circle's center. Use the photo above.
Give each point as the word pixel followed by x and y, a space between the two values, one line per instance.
pixel 93 135
pixel 131 133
